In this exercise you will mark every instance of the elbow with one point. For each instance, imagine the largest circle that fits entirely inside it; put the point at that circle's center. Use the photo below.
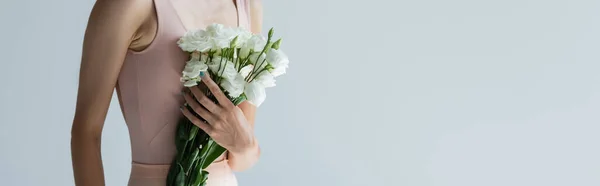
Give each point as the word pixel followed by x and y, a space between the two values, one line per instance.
pixel 82 132
pixel 240 163
pixel 240 166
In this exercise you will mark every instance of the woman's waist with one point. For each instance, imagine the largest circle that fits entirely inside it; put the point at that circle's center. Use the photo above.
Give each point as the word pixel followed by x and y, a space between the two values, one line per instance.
pixel 218 170
pixel 142 170
pixel 158 154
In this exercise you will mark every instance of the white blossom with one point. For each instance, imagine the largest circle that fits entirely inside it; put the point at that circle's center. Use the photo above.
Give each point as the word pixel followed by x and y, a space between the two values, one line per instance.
pixel 255 43
pixel 222 36
pixel 235 86
pixel 223 67
pixel 265 79
pixel 208 43
pixel 256 60
pixel 195 41
pixel 243 36
pixel 245 71
pixel 190 83
pixel 193 68
pixel 279 71
pixel 278 60
pixel 255 93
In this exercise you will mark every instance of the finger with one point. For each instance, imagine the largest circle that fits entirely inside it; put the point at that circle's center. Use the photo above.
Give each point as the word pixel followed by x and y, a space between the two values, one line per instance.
pixel 195 120
pixel 216 91
pixel 198 108
pixel 204 100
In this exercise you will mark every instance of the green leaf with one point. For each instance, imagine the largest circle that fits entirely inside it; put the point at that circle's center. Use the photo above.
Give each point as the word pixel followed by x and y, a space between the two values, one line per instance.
pixel 170 176
pixel 192 178
pixel 181 132
pixel 239 100
pixel 180 180
pixel 215 150
pixel 192 160
pixel 201 178
pixel 195 154
pixel 204 152
pixel 205 177
pixel 193 133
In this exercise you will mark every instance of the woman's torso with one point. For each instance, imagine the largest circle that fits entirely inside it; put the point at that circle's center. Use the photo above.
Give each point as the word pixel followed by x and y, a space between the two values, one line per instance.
pixel 149 89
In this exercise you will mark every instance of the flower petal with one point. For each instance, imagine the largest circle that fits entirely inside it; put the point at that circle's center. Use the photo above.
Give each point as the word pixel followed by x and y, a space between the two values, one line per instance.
pixel 235 86
pixel 266 79
pixel 190 83
pixel 246 70
pixel 255 93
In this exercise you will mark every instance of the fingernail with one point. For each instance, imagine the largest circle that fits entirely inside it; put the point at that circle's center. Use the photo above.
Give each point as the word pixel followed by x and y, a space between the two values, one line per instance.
pixel 185 104
pixel 201 74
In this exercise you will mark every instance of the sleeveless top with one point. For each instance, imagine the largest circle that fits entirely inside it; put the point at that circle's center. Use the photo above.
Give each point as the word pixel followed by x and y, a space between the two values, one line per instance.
pixel 148 87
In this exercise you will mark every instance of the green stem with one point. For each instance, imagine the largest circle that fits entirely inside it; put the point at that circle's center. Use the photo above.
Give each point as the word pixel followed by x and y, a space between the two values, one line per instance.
pixel 225 54
pixel 193 166
pixel 259 71
pixel 238 64
pixel 217 79
pixel 246 60
pixel 261 53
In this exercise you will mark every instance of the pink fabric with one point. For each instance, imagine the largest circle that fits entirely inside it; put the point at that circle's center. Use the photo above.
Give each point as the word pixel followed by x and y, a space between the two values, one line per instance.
pixel 148 89
pixel 154 175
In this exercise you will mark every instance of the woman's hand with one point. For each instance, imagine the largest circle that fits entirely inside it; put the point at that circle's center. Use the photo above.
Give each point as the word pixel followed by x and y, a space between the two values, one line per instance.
pixel 225 122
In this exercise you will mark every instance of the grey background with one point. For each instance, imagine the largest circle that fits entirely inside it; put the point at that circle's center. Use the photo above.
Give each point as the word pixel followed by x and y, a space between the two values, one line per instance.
pixel 415 93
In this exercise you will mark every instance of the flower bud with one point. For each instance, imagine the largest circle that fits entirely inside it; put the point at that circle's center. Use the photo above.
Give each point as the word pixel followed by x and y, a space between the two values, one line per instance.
pixel 276 44
pixel 270 32
pixel 233 42
pixel 268 46
pixel 244 52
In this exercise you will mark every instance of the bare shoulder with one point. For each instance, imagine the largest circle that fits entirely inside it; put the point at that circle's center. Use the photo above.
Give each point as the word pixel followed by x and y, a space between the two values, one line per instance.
pixel 129 18
pixel 256 14
pixel 125 6
pixel 122 11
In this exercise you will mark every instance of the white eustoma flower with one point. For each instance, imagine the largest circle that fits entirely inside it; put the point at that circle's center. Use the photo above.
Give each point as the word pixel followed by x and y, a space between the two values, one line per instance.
pixel 278 60
pixel 243 37
pixel 235 86
pixel 255 93
pixel 221 36
pixel 223 67
pixel 190 83
pixel 224 40
pixel 193 68
pixel 279 71
pixel 255 43
pixel 246 70
pixel 265 78
pixel 198 40
pixel 258 60
pixel 215 30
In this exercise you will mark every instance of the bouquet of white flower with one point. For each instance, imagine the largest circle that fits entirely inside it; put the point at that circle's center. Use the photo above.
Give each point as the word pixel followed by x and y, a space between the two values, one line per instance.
pixel 243 65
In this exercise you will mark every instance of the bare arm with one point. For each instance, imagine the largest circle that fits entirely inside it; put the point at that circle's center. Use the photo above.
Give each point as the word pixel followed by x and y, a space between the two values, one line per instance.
pixel 112 25
pixel 240 162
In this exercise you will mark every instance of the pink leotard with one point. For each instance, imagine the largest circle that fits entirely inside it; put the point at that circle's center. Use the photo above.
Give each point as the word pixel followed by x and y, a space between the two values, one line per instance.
pixel 149 89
